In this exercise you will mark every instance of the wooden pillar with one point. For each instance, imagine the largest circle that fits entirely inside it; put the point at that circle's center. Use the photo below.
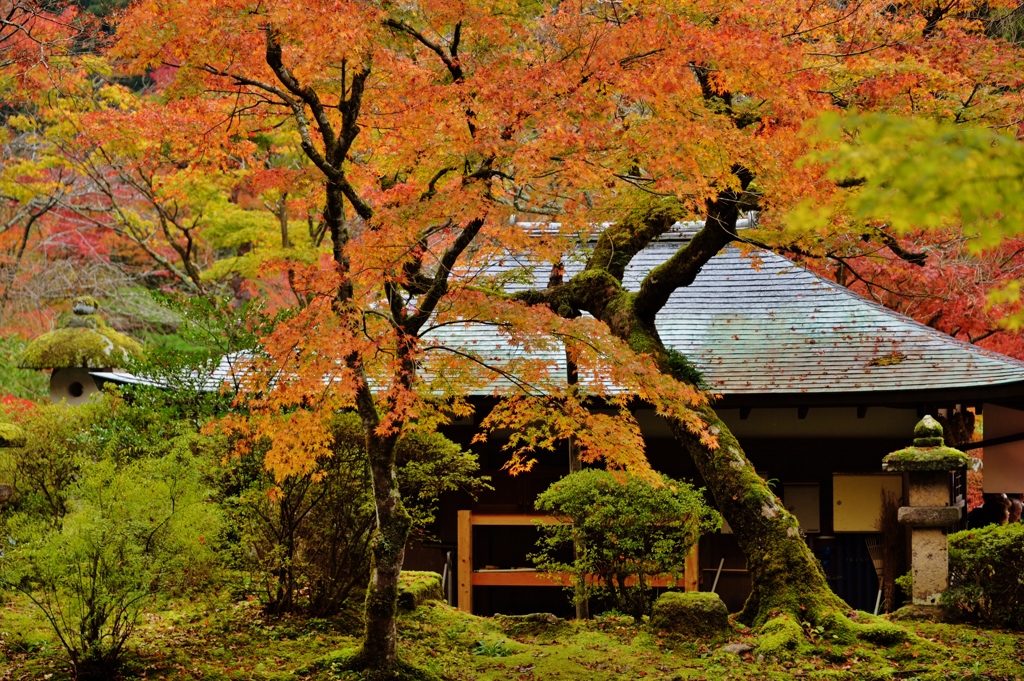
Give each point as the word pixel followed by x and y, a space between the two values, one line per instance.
pixel 691 571
pixel 465 570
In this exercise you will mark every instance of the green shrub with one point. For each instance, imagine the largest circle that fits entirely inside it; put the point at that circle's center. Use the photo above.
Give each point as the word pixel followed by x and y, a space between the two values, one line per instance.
pixel 986 572
pixel 27 384
pixel 625 530
pixel 99 525
pixel 132 531
pixel 305 540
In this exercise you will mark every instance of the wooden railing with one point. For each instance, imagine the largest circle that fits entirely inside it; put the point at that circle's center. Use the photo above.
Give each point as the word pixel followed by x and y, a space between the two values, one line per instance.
pixel 468 578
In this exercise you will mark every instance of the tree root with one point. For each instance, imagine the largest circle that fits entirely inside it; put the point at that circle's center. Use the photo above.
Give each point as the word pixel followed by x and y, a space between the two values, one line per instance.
pixel 784 638
pixel 354 660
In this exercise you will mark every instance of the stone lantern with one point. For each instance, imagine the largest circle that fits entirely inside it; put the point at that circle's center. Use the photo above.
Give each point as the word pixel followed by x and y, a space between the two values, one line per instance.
pixel 928 465
pixel 86 344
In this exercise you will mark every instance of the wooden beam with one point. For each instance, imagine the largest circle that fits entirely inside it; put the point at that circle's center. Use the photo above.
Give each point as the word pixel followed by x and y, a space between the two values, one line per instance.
pixel 514 519
pixel 465 548
pixel 534 578
pixel 520 578
pixel 992 442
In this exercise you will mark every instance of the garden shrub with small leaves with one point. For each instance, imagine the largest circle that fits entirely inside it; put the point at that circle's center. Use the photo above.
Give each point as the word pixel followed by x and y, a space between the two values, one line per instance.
pixel 986 574
pixel 627 530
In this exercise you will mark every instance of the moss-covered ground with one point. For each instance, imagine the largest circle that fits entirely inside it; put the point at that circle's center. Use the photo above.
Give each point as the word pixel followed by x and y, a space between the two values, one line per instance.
pixel 225 640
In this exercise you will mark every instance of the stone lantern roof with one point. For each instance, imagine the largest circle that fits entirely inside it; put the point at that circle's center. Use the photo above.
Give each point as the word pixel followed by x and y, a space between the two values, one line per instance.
pixel 87 342
pixel 928 452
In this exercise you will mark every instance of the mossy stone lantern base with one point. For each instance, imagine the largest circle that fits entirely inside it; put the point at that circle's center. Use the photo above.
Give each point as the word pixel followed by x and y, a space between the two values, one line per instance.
pixel 928 464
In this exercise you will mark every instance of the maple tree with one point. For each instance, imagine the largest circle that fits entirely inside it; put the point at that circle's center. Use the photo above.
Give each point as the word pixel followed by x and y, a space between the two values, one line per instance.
pixel 426 126
pixel 952 194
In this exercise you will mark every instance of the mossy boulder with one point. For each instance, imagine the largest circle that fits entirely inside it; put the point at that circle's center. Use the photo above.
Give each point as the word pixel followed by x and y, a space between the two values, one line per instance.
pixel 920 613
pixel 11 435
pixel 694 614
pixel 416 588
pixel 539 625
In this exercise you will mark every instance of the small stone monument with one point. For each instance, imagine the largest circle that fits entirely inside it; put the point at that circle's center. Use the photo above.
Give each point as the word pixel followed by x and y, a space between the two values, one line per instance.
pixel 86 344
pixel 928 464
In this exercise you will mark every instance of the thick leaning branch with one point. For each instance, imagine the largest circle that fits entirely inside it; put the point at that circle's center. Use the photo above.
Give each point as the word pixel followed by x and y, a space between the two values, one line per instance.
pixel 682 268
pixel 619 243
pixel 786 577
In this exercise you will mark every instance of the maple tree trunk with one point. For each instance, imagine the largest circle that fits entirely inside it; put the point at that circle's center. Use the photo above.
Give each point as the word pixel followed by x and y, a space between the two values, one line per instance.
pixel 388 553
pixel 785 575
pixel 379 652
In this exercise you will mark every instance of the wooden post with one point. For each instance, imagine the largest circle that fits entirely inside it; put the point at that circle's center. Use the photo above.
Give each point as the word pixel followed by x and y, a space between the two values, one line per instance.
pixel 465 570
pixel 691 571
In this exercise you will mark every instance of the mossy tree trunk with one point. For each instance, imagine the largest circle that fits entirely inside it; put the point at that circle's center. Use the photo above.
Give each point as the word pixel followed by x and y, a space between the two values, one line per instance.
pixel 387 548
pixel 786 576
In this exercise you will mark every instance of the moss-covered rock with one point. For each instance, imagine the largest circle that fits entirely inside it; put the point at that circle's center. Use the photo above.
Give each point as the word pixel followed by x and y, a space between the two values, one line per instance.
pixel 925 459
pixel 920 613
pixel 11 435
pixel 694 614
pixel 539 625
pixel 416 588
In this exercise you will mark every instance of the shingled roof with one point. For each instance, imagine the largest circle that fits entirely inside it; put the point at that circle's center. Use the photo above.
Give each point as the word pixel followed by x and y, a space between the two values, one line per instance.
pixel 759 326
pixel 781 329
pixel 778 333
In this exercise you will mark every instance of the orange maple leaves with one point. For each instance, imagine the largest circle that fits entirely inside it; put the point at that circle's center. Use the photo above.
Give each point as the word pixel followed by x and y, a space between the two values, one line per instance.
pixel 438 118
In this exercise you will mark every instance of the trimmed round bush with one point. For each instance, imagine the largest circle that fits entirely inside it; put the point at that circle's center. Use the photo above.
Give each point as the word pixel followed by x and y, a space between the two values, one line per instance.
pixel 986 574
pixel 625 530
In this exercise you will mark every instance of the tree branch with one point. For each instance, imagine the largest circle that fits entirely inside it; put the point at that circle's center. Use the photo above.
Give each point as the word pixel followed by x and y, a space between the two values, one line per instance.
pixel 682 268
pixel 306 94
pixel 414 323
pixel 451 61
pixel 620 242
